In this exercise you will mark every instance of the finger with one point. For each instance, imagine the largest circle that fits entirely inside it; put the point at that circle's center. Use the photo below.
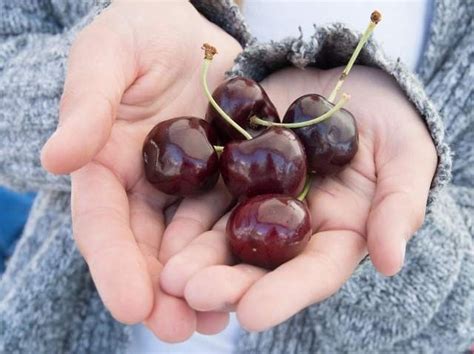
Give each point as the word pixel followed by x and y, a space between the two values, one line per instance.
pixel 147 224
pixel 171 320
pixel 101 225
pixel 194 216
pixel 399 205
pixel 208 249
pixel 316 274
pixel 211 322
pixel 147 221
pixel 220 287
pixel 100 67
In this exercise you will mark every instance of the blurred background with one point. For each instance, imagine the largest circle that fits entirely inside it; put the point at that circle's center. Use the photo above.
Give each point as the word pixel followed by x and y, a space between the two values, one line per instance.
pixel 14 210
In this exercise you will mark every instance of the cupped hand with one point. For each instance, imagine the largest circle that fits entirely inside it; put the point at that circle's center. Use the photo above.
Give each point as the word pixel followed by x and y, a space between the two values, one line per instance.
pixel 135 65
pixel 373 206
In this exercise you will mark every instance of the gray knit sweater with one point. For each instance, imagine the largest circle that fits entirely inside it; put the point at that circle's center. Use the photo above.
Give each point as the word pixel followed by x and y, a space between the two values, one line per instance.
pixel 48 303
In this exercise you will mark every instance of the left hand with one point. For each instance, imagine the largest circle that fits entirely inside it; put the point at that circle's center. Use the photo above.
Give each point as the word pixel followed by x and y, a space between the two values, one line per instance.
pixel 373 206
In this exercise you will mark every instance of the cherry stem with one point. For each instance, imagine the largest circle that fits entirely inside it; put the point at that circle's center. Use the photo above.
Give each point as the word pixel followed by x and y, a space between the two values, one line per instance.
pixel 307 187
pixel 345 97
pixel 209 53
pixel 375 18
pixel 218 148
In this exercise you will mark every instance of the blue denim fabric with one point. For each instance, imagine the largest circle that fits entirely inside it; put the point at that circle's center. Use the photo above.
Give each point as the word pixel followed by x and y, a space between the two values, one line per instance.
pixel 14 210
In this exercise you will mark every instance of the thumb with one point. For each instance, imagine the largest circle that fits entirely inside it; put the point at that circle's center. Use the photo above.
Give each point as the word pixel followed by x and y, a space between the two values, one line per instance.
pixel 100 67
pixel 399 204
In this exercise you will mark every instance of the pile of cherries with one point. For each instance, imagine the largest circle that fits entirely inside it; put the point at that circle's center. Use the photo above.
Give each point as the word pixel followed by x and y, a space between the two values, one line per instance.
pixel 265 164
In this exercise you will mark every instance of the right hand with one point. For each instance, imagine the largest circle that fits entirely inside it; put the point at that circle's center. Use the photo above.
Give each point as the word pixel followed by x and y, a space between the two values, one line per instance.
pixel 136 65
pixel 374 206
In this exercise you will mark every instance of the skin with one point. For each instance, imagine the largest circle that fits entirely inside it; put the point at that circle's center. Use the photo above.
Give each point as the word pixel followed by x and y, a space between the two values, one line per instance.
pixel 373 206
pixel 135 66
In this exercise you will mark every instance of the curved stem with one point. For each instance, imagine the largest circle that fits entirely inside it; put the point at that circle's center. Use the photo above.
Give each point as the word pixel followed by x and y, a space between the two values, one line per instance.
pixel 218 148
pixel 205 68
pixel 328 114
pixel 307 187
pixel 375 18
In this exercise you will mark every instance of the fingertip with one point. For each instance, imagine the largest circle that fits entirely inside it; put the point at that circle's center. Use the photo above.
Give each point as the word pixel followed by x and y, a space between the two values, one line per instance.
pixel 61 155
pixel 134 313
pixel 122 280
pixel 124 304
pixel 259 309
pixel 175 275
pixel 210 323
pixel 220 287
pixel 387 253
pixel 204 291
pixel 247 320
pixel 48 158
pixel 207 250
pixel 172 320
pixel 74 144
pixel 390 225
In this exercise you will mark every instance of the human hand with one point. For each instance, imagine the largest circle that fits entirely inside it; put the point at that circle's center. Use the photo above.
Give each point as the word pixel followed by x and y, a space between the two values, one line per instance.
pixel 134 66
pixel 374 205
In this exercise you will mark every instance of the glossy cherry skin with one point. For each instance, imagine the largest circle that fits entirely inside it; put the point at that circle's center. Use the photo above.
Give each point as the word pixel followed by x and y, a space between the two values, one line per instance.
pixel 273 162
pixel 268 230
pixel 179 158
pixel 240 98
pixel 329 145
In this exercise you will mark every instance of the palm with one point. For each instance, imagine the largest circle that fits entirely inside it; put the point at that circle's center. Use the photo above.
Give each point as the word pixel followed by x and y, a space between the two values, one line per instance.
pixel 376 203
pixel 145 69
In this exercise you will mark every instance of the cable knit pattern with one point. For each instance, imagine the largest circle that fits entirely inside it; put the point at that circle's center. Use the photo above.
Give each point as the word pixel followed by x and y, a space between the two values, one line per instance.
pixel 48 303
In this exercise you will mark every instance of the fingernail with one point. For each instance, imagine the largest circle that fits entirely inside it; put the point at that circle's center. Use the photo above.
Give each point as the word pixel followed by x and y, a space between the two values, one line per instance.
pixel 404 247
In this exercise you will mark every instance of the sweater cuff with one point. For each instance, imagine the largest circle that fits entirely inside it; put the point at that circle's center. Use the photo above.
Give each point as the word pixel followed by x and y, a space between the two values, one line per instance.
pixel 331 46
pixel 225 14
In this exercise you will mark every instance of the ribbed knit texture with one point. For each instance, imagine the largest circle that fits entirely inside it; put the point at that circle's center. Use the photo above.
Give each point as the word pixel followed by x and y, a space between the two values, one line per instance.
pixel 48 303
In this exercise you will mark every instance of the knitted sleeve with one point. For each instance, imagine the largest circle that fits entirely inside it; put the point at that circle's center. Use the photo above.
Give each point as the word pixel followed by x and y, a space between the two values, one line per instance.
pixel 427 307
pixel 35 37
pixel 34 40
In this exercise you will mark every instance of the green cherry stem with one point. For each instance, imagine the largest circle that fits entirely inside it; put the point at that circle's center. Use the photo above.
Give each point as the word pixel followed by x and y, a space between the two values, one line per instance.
pixel 218 148
pixel 209 52
pixel 375 18
pixel 345 97
pixel 307 187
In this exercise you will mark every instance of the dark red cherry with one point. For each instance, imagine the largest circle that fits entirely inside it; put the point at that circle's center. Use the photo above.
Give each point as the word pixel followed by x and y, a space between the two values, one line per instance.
pixel 330 144
pixel 179 158
pixel 273 162
pixel 268 230
pixel 240 98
